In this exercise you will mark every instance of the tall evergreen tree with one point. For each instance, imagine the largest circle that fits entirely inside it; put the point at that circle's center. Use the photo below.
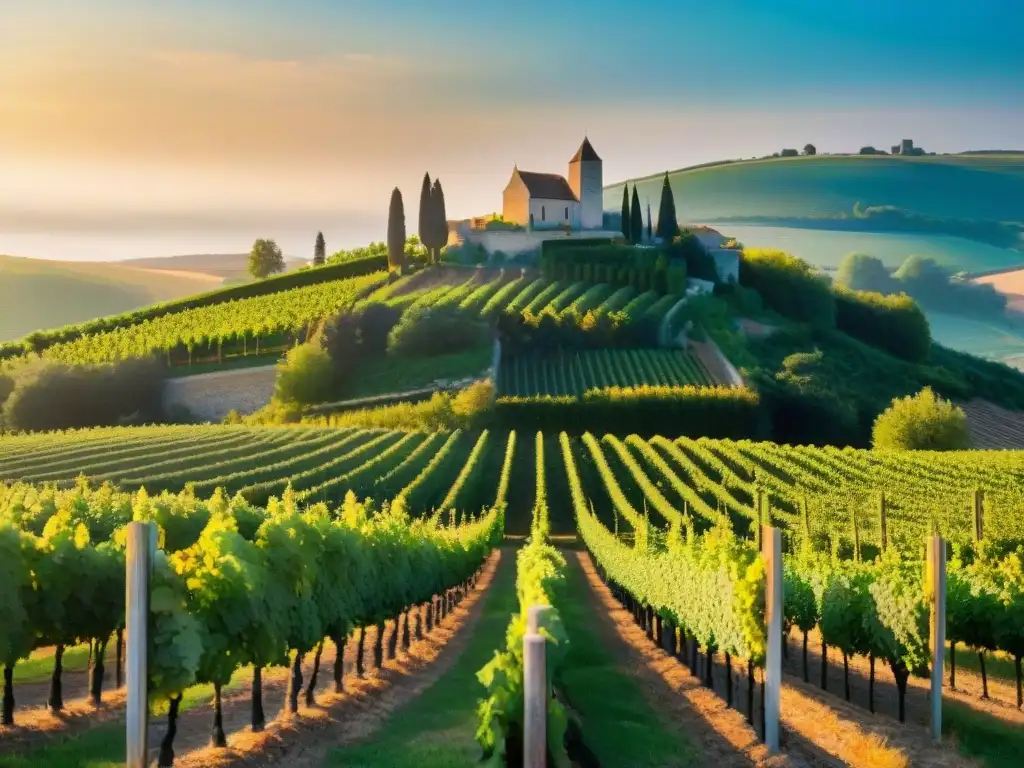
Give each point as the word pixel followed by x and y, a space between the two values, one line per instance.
pixel 425 220
pixel 319 251
pixel 625 212
pixel 396 231
pixel 439 216
pixel 668 226
pixel 649 221
pixel 636 218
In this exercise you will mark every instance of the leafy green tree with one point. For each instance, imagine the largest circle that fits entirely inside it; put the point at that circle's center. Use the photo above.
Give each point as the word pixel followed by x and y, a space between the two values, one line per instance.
pixel 789 285
pixel 396 231
pixel 426 218
pixel 265 259
pixel 305 376
pixel 319 250
pixel 636 218
pixel 625 212
pixel 649 235
pixel 810 149
pixel 861 272
pixel 668 226
pixel 923 422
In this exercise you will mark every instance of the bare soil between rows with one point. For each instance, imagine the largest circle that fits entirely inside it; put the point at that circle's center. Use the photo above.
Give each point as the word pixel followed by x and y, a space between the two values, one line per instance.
pixel 817 727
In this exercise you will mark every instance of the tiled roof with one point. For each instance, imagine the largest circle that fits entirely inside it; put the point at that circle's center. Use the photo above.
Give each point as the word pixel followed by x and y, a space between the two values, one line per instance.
pixel 585 152
pixel 549 186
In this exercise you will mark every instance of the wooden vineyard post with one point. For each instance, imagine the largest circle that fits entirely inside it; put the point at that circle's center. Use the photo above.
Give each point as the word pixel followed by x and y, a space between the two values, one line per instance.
pixel 979 515
pixel 771 551
pixel 936 586
pixel 535 702
pixel 138 566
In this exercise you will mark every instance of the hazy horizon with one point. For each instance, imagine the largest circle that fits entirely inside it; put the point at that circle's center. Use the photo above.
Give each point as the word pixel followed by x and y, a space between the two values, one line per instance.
pixel 131 129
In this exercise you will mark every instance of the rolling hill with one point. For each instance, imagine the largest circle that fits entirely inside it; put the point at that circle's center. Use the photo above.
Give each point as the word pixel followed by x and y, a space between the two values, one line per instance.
pixel 39 294
pixel 986 187
pixel 229 266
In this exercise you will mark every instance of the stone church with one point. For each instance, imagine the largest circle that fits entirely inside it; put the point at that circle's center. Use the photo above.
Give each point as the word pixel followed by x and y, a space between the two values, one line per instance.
pixel 549 201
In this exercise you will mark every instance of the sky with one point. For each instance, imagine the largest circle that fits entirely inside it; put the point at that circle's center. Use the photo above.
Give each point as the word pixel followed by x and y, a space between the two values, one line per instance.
pixel 155 127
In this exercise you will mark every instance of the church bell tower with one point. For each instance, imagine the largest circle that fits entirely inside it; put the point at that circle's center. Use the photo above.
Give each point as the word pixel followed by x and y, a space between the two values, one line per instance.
pixel 586 182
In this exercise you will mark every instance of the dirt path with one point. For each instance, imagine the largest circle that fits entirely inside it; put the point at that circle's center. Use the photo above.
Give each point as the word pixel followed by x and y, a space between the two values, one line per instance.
pixel 818 729
pixel 723 737
pixel 336 719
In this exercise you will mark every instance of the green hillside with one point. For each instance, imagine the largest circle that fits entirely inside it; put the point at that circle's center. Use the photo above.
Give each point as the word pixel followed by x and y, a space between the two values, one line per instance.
pixel 37 293
pixel 987 187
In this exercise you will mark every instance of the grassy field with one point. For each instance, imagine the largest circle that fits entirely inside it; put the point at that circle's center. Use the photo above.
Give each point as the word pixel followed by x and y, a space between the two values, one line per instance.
pixel 962 186
pixel 37 294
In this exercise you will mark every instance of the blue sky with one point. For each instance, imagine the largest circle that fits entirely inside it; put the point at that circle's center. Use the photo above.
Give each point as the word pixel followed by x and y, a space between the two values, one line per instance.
pixel 293 108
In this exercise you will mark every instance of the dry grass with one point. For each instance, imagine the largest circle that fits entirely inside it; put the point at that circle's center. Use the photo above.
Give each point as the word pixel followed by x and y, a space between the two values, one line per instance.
pixel 37 725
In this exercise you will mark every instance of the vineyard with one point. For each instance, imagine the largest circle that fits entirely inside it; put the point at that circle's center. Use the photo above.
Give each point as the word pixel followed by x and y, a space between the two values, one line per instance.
pixel 268 322
pixel 573 373
pixel 671 526
pixel 837 497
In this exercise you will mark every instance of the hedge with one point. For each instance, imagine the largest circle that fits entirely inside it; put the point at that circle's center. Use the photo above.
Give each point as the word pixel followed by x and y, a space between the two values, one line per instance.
pixel 723 412
pixel 893 323
pixel 550 247
pixel 789 286
pixel 40 340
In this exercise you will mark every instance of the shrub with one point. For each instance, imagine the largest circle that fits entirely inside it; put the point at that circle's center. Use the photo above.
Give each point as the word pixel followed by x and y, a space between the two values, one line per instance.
pixel 893 323
pixel 428 415
pixel 49 395
pixel 921 422
pixel 425 331
pixel 473 401
pixel 305 376
pixel 789 286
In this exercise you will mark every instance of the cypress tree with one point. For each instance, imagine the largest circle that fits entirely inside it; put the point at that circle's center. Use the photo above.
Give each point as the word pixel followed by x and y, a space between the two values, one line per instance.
pixel 625 212
pixel 319 250
pixel 439 237
pixel 396 231
pixel 425 221
pixel 648 221
pixel 636 218
pixel 668 226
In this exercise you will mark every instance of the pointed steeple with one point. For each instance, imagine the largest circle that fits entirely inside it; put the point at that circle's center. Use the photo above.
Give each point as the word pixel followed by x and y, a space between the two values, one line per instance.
pixel 585 153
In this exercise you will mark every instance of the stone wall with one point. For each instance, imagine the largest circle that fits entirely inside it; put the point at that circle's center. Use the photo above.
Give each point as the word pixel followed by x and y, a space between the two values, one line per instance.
pixel 210 396
pixel 513 243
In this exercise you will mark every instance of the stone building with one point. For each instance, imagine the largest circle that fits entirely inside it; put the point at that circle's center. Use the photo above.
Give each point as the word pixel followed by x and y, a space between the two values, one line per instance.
pixel 550 201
